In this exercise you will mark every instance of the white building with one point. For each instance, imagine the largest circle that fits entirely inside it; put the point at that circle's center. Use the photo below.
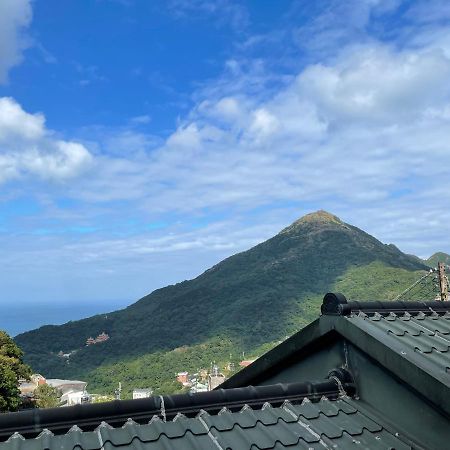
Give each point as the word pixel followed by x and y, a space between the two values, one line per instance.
pixel 142 393
pixel 199 387
pixel 73 392
pixel 75 398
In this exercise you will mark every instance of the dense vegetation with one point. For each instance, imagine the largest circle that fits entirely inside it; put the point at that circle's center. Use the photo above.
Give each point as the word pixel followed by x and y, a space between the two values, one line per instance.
pixel 12 369
pixel 433 260
pixel 248 300
pixel 47 396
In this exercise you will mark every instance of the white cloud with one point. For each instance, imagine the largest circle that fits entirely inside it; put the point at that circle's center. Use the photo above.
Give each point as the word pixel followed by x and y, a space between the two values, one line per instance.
pixel 367 127
pixel 15 16
pixel 376 83
pixel 15 123
pixel 364 134
pixel 263 124
pixel 337 24
pixel 185 137
pixel 27 148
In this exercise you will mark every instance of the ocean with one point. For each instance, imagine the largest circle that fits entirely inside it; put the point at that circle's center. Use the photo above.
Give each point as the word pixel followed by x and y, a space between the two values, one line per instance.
pixel 15 318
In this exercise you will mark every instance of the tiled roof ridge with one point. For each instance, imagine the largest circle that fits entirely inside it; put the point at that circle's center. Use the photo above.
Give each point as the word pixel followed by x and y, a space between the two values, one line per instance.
pixel 405 316
pixel 158 421
pixel 31 422
pixel 336 304
pixel 304 418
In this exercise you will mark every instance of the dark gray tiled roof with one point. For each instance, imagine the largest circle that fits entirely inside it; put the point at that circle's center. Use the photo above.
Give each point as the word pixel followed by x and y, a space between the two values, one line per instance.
pixel 424 339
pixel 338 424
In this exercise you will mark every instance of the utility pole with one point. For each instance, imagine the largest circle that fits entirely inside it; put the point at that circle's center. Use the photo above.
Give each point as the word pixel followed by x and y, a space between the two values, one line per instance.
pixel 443 282
pixel 117 392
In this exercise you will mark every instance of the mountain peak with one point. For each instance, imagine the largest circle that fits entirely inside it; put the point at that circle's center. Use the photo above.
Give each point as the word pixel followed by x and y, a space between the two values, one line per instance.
pixel 320 217
pixel 433 260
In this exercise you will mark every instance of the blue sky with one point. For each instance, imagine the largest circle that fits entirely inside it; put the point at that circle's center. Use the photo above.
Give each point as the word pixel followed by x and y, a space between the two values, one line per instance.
pixel 143 141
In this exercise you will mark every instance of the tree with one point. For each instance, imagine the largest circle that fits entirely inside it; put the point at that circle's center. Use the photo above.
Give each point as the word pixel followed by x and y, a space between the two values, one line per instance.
pixel 47 396
pixel 12 369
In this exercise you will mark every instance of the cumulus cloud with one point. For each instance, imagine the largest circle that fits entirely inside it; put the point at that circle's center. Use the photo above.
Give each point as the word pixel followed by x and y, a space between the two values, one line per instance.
pixel 15 16
pixel 376 83
pixel 366 127
pixel 374 117
pixel 28 148
pixel 364 133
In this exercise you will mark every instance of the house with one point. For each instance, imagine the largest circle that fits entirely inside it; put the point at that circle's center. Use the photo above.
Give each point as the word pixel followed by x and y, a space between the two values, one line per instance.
pixel 142 393
pixel 102 337
pixel 183 378
pixel 246 362
pixel 25 387
pixel 75 398
pixel 365 375
pixel 73 392
pixel 198 387
pixel 37 379
pixel 67 385
pixel 214 380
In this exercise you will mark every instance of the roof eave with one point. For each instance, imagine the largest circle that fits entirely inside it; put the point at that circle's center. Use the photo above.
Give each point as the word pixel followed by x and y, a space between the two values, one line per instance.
pixel 299 344
pixel 400 363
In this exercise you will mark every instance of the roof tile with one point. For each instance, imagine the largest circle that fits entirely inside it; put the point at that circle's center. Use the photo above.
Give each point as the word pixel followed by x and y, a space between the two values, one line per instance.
pixel 337 423
pixel 425 338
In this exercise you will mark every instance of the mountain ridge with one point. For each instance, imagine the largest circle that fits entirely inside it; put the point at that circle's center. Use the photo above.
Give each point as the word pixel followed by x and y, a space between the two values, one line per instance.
pixel 249 299
pixel 438 257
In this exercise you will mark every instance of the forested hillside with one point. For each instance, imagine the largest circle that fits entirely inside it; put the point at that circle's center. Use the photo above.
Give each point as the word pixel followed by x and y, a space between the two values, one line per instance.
pixel 433 260
pixel 251 299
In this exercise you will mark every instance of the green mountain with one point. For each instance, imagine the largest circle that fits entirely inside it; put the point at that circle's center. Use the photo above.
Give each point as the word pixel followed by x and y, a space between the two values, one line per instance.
pixel 242 304
pixel 433 260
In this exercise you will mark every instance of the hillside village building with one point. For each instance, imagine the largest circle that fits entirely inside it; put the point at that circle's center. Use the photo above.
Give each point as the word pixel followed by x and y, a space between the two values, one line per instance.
pixel 73 392
pixel 246 362
pixel 365 375
pixel 102 337
pixel 142 393
pixel 183 378
pixel 27 388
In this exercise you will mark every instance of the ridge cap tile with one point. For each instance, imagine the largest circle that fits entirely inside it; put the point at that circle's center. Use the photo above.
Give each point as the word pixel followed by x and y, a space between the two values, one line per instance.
pixel 14 436
pixel 391 316
pixel 406 316
pixel 130 423
pixel 44 433
pixel 224 410
pixel 245 408
pixel 202 413
pixel 179 416
pixel 155 418
pixel 104 426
